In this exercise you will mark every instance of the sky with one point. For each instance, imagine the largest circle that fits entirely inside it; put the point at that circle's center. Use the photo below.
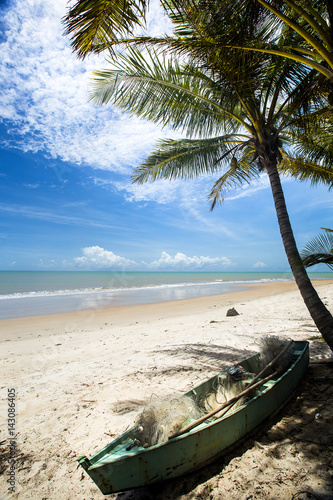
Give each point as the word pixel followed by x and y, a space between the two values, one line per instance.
pixel 66 197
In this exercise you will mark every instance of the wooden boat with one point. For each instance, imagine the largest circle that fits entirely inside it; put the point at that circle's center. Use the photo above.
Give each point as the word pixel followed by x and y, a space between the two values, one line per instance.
pixel 120 466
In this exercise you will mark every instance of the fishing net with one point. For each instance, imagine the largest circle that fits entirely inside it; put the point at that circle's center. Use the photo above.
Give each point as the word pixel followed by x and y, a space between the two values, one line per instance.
pixel 162 417
pixel 225 388
pixel 270 347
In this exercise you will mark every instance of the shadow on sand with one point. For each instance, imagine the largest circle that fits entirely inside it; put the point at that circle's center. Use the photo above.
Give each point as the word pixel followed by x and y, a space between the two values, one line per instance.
pixel 303 429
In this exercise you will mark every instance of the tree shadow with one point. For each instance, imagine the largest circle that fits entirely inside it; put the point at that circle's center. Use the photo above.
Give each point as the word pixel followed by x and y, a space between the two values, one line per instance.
pixel 127 406
pixel 205 356
pixel 213 352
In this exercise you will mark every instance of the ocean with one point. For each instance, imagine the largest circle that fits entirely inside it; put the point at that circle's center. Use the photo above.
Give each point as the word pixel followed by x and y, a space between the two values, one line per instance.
pixel 29 293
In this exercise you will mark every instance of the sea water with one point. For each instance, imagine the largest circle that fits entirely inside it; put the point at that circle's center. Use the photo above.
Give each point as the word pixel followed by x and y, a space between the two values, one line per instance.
pixel 28 293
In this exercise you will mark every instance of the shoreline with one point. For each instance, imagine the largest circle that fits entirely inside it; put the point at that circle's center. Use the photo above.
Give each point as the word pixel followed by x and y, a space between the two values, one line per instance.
pixel 81 378
pixel 101 292
pixel 120 313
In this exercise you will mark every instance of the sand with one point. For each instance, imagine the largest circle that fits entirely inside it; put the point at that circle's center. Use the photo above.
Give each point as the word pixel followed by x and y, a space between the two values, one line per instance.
pixel 81 378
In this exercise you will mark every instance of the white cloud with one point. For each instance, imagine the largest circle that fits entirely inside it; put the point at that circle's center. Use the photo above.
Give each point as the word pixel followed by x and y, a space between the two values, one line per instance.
pixel 161 191
pixel 183 261
pixel 97 257
pixel 44 99
pixel 259 265
pixel 44 103
pixel 187 193
pixel 157 23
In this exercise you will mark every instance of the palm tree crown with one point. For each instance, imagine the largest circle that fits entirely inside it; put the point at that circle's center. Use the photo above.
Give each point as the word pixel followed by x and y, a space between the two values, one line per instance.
pixel 240 110
pixel 303 29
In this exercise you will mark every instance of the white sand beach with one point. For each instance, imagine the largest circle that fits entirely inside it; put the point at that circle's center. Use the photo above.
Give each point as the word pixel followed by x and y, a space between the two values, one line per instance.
pixel 81 378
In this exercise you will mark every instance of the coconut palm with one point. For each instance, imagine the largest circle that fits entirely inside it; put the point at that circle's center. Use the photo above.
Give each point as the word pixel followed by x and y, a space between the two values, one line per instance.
pixel 237 108
pixel 319 250
pixel 303 32
pixel 237 114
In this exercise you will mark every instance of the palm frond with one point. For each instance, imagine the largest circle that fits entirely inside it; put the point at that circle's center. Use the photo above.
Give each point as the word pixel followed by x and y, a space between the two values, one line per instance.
pixel 186 158
pixel 94 25
pixel 165 92
pixel 236 176
pixel 319 250
pixel 304 21
pixel 312 136
pixel 303 169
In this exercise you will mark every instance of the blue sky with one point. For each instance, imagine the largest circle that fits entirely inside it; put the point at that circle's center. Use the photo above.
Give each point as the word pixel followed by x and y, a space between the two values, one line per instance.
pixel 66 199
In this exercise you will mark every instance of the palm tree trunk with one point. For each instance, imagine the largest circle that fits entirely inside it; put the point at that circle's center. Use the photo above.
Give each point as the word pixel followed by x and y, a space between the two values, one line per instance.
pixel 320 315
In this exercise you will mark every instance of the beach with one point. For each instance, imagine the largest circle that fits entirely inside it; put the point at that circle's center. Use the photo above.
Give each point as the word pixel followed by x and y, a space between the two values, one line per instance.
pixel 80 379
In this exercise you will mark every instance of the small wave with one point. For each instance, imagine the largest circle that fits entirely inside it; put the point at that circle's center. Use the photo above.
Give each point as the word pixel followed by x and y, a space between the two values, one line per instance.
pixel 48 293
pixel 148 287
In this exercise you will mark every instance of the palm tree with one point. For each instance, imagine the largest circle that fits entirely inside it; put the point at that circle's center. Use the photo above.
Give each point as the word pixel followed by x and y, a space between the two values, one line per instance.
pixel 319 250
pixel 240 113
pixel 303 33
pixel 237 108
pixel 96 24
pixel 311 23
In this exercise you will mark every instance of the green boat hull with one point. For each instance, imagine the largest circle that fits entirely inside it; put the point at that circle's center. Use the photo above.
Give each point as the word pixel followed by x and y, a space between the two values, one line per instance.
pixel 114 468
